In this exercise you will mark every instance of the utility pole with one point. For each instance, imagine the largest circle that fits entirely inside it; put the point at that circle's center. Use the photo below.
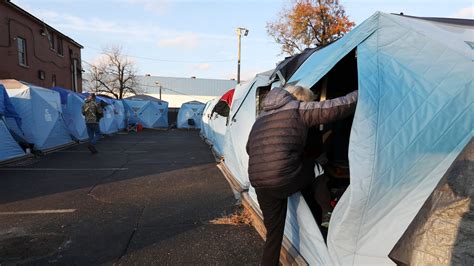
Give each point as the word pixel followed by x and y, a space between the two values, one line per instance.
pixel 245 32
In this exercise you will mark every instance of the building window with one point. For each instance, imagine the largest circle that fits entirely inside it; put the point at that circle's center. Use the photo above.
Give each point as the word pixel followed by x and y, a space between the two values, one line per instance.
pixel 22 51
pixel 51 40
pixel 54 80
pixel 59 45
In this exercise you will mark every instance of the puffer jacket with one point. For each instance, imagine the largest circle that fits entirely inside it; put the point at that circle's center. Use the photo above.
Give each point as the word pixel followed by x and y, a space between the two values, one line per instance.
pixel 92 111
pixel 277 139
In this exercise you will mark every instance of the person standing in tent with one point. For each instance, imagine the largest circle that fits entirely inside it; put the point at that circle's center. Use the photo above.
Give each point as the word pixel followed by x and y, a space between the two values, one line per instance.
pixel 92 112
pixel 276 144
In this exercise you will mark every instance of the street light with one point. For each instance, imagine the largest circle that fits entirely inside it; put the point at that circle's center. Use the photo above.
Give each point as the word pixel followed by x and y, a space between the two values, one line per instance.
pixel 245 32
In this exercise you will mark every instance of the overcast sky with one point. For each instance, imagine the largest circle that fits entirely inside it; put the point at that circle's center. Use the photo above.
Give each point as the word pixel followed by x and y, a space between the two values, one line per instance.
pixel 183 38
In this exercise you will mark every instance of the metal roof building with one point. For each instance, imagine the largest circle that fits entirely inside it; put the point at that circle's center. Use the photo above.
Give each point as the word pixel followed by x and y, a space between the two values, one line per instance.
pixel 177 91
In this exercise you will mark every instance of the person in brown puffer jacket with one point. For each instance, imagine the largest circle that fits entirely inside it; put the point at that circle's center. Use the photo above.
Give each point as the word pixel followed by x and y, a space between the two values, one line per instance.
pixel 276 153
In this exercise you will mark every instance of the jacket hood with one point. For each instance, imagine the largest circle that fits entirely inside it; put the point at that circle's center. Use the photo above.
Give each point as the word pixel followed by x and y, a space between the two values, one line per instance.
pixel 88 100
pixel 276 98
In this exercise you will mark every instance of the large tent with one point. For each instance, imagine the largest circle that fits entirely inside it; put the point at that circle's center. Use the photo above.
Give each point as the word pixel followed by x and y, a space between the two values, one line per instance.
pixel 150 112
pixel 72 112
pixel 241 118
pixel 413 118
pixel 190 115
pixel 9 148
pixel 214 128
pixel 41 113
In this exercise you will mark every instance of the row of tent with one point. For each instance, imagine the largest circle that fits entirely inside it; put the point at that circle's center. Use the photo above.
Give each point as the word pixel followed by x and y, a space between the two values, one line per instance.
pixel 44 119
pixel 410 198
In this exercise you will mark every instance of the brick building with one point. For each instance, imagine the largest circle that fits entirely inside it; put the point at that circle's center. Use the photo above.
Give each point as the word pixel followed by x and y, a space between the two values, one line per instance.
pixel 33 51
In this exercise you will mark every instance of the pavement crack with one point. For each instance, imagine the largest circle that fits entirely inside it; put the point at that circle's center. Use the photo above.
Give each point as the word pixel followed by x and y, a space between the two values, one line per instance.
pixel 130 238
pixel 127 160
pixel 94 197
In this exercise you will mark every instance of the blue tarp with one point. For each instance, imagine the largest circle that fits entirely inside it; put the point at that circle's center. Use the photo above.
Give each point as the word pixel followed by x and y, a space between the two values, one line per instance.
pixel 190 111
pixel 413 118
pixel 150 114
pixel 41 113
pixel 72 112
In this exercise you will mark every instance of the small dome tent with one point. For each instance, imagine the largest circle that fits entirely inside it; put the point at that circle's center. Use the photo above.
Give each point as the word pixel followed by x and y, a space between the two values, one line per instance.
pixel 41 113
pixel 190 115
pixel 119 114
pixel 146 110
pixel 72 111
pixel 9 148
pixel 108 123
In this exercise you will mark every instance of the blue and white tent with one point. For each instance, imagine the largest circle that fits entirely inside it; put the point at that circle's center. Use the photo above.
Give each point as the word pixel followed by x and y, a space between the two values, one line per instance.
pixel 119 114
pixel 108 123
pixel 413 118
pixel 9 148
pixel 190 111
pixel 41 114
pixel 72 112
pixel 149 113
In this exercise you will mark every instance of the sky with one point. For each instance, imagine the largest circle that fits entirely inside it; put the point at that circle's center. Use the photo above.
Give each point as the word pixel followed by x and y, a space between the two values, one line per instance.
pixel 184 38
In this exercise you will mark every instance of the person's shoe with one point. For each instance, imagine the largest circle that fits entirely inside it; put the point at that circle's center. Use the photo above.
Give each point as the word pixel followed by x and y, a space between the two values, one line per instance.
pixel 325 220
pixel 92 149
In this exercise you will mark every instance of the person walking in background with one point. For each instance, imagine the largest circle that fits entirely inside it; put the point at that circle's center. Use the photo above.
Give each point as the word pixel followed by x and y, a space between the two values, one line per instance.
pixel 92 113
pixel 276 144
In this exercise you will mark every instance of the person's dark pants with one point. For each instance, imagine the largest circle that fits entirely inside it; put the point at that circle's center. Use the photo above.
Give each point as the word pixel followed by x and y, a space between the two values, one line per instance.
pixel 273 203
pixel 93 130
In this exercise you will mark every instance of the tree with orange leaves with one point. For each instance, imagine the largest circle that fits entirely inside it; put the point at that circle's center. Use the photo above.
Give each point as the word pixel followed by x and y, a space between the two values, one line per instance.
pixel 309 23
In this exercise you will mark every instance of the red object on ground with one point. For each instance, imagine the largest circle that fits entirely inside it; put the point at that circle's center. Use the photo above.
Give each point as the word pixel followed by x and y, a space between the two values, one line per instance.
pixel 139 127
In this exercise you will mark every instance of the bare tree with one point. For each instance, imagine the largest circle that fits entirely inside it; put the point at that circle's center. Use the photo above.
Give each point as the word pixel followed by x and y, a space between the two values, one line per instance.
pixel 309 23
pixel 114 74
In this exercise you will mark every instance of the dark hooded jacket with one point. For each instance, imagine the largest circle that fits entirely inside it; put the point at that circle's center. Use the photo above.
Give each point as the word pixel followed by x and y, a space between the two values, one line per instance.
pixel 277 139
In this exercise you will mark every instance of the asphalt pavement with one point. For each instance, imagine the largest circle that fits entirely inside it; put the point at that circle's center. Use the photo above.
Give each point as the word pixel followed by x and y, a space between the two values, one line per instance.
pixel 147 198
